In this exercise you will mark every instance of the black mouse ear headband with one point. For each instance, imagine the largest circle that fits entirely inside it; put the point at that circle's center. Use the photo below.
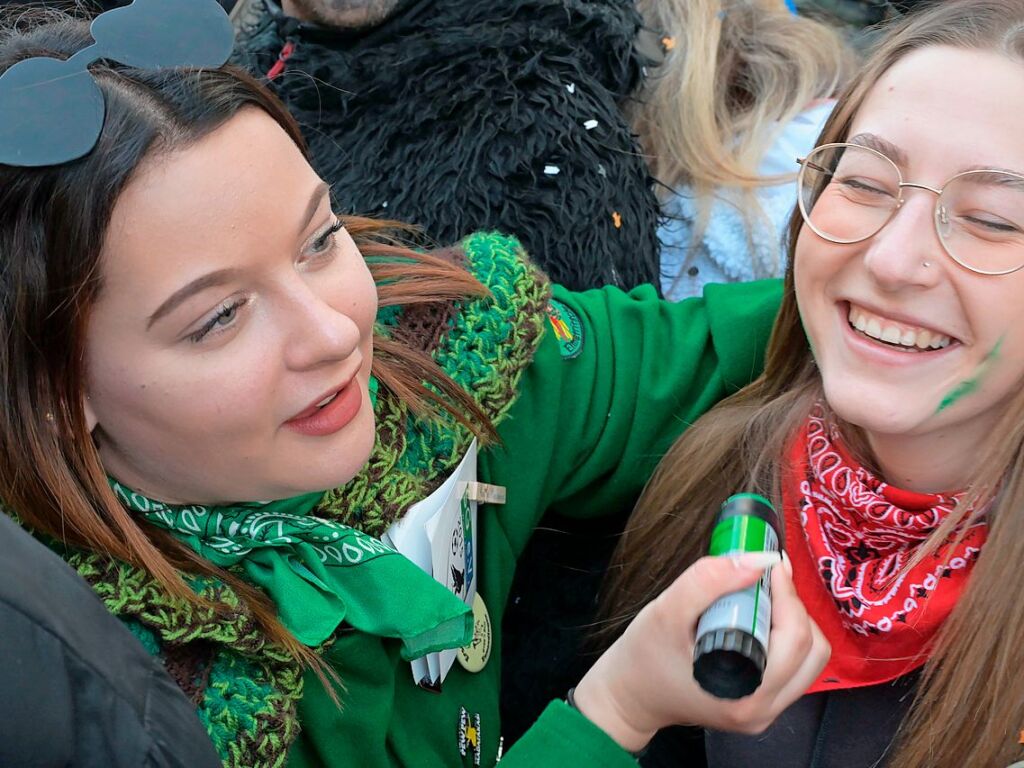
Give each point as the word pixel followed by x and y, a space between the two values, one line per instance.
pixel 52 111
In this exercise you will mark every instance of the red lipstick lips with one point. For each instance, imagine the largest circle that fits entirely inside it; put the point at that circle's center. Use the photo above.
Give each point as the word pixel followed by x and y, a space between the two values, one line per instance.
pixel 318 421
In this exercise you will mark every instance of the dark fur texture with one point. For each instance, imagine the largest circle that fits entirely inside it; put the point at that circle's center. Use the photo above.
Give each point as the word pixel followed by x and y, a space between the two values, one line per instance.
pixel 447 114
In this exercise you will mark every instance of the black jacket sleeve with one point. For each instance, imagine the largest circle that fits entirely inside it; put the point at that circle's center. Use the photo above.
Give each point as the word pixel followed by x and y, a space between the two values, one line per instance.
pixel 76 688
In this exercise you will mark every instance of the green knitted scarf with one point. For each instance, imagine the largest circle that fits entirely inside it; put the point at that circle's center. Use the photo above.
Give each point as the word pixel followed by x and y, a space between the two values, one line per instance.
pixel 246 688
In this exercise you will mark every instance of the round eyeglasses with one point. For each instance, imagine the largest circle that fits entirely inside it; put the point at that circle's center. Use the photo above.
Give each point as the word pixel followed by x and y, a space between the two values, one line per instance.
pixel 848 192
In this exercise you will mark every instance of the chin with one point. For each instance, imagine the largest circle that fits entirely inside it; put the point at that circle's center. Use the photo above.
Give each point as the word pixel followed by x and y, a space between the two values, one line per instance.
pixel 327 462
pixel 887 415
pixel 344 458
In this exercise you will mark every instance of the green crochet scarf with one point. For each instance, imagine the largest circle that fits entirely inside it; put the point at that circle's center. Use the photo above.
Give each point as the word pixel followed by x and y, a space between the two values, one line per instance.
pixel 247 688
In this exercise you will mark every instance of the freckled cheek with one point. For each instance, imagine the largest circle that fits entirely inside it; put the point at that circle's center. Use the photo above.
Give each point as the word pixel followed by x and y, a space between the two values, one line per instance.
pixel 358 300
pixel 217 405
pixel 822 272
pixel 1008 362
pixel 238 399
pixel 995 318
pixel 364 313
pixel 808 287
pixel 115 393
pixel 816 261
pixel 806 271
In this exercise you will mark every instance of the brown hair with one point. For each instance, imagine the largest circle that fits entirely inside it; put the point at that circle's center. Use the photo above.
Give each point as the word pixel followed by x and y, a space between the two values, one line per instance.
pixel 969 707
pixel 52 225
pixel 737 73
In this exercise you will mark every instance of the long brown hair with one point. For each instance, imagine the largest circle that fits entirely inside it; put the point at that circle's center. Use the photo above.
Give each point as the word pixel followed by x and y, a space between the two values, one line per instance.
pixel 969 707
pixel 736 74
pixel 52 224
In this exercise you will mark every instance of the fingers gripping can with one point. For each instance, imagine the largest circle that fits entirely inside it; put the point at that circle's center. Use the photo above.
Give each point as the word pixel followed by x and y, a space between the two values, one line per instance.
pixel 732 635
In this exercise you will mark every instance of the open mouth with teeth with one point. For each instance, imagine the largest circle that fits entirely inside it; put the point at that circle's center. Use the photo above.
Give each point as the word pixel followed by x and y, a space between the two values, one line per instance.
pixel 326 400
pixel 907 338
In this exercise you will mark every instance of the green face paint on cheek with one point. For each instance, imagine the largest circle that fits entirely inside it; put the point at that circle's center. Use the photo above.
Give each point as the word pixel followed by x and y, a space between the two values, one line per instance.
pixel 965 388
pixel 959 392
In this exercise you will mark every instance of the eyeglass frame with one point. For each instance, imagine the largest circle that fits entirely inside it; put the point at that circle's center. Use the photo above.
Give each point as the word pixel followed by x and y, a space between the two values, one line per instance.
pixel 801 161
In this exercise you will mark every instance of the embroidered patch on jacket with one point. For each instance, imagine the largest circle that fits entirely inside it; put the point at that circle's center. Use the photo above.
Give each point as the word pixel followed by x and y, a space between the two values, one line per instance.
pixel 568 329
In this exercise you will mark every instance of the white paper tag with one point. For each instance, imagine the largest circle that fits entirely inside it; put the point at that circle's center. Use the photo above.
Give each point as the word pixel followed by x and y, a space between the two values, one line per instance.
pixel 439 534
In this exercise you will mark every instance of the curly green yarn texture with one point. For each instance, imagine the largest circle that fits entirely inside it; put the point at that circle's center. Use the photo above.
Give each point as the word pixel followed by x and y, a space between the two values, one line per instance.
pixel 248 707
pixel 242 710
pixel 487 346
pixel 249 701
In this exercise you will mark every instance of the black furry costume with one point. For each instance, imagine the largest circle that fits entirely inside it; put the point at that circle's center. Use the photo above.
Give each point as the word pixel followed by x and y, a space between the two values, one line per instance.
pixel 466 115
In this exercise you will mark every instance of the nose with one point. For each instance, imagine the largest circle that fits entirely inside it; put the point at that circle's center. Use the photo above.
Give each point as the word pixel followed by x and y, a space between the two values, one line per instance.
pixel 318 333
pixel 907 252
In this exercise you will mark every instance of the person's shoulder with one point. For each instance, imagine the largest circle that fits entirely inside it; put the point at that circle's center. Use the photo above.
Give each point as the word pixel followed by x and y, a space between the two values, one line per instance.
pixel 491 339
pixel 25 563
pixel 77 676
pixel 501 263
pixel 482 342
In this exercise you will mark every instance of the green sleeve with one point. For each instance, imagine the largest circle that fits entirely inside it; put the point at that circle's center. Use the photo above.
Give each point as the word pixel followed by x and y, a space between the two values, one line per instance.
pixel 597 412
pixel 563 737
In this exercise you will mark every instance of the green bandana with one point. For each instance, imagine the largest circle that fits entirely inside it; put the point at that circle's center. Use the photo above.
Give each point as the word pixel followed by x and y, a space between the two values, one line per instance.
pixel 318 572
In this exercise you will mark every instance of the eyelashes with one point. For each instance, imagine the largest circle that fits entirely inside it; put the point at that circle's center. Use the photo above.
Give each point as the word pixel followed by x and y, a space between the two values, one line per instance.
pixel 224 317
pixel 324 243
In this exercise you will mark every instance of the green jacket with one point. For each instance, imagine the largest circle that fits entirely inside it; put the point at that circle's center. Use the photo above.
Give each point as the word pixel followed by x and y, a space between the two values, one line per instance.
pixel 586 428
pixel 587 391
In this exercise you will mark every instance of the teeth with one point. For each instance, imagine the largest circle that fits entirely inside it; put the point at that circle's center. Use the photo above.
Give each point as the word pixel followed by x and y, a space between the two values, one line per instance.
pixel 891 334
pixel 326 400
pixel 884 330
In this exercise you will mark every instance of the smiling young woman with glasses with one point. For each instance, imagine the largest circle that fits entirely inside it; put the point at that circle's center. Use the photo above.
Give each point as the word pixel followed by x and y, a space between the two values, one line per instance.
pixel 889 423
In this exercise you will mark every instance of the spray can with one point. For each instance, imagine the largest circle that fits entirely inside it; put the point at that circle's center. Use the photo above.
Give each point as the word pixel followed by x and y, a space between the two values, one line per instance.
pixel 732 635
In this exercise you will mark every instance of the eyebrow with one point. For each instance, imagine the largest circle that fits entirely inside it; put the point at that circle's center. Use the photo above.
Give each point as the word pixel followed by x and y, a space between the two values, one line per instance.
pixel 996 177
pixel 209 280
pixel 314 204
pixel 898 156
pixel 994 168
pixel 877 143
pixel 222 276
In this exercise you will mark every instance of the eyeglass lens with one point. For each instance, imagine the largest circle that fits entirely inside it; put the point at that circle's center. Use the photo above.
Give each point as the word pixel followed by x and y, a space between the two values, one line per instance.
pixel 848 193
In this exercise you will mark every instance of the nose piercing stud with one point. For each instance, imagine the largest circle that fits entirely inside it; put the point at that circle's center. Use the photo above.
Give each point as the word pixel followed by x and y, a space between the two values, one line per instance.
pixel 926 264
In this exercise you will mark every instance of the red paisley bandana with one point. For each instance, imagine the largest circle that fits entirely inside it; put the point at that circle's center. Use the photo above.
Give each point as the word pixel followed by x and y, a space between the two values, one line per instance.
pixel 849 564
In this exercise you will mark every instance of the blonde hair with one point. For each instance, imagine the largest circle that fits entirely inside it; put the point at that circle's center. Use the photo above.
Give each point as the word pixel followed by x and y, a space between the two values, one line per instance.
pixel 969 706
pixel 736 73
